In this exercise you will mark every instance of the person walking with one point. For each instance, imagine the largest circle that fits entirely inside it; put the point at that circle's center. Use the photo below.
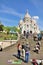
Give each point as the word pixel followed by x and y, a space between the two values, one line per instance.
pixel 27 56
pixel 19 50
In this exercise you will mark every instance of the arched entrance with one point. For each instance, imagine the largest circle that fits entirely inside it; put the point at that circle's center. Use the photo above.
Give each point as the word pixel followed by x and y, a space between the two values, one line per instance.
pixel 24 32
pixel 27 34
pixel 31 32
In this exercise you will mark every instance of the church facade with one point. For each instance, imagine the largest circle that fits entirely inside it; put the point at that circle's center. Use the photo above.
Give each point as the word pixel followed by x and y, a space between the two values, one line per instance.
pixel 28 24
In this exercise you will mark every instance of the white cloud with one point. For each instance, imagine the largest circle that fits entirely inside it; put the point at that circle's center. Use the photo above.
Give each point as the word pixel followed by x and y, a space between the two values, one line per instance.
pixel 10 11
pixel 35 17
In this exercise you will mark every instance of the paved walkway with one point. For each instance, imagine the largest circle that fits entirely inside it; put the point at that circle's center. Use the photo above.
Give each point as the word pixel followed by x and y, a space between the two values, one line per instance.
pixel 7 54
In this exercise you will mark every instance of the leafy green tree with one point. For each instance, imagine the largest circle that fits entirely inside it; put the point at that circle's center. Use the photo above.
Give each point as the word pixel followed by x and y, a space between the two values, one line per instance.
pixel 7 29
pixel 1 26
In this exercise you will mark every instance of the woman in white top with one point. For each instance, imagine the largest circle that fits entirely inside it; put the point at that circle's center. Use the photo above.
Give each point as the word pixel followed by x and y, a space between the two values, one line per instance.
pixel 23 52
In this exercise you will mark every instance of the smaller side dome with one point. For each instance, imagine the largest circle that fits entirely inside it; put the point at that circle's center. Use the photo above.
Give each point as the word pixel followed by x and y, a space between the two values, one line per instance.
pixel 34 21
pixel 21 21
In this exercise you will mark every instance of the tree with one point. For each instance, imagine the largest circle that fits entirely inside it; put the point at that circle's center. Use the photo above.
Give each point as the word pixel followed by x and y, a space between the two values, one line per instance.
pixel 1 26
pixel 6 29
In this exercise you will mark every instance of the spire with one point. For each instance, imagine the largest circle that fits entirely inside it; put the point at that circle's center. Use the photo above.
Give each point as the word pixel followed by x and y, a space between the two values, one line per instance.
pixel 27 11
pixel 27 14
pixel 20 18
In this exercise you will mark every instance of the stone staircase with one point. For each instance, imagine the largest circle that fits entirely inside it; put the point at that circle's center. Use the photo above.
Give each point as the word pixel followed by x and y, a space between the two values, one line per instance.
pixel 32 43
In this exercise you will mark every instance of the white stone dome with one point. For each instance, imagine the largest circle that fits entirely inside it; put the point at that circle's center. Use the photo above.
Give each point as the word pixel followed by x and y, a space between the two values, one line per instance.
pixel 21 21
pixel 34 21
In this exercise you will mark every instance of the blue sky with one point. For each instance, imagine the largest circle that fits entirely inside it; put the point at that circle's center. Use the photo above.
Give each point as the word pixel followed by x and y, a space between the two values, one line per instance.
pixel 11 11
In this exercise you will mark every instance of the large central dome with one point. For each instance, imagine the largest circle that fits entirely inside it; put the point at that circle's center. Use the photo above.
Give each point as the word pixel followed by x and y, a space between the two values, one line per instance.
pixel 27 15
